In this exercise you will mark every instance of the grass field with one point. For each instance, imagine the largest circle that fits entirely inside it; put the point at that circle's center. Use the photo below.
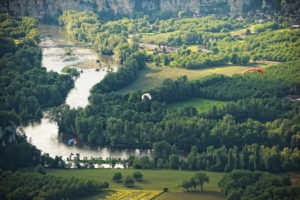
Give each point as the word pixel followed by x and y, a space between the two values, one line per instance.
pixel 160 37
pixel 153 76
pixel 241 32
pixel 153 179
pixel 194 48
pixel 153 183
pixel 201 105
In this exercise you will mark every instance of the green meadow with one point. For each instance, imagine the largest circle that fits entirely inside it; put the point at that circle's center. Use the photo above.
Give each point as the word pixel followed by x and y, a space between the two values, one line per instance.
pixel 152 76
pixel 153 179
pixel 201 105
pixel 159 37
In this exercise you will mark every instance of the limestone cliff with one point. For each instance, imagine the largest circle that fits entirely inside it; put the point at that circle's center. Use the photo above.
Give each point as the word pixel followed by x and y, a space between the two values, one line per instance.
pixel 40 8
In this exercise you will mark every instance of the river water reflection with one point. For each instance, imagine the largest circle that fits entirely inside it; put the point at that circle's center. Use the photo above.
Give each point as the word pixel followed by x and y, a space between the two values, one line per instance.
pixel 44 135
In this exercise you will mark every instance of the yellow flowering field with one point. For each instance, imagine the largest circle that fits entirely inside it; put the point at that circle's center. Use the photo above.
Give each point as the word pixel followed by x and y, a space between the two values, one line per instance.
pixel 133 195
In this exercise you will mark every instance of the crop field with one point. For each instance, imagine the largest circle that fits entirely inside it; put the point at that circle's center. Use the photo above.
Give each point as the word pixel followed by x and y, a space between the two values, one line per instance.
pixel 133 195
pixel 153 76
pixel 201 105
pixel 156 195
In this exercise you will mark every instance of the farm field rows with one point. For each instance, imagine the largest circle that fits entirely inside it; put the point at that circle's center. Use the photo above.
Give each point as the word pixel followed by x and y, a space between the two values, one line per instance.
pixel 133 195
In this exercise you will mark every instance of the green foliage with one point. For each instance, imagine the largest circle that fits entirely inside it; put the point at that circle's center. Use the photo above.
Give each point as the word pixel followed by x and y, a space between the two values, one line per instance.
pixel 137 176
pixel 280 45
pixel 72 71
pixel 257 185
pixel 199 178
pixel 40 169
pixel 201 105
pixel 35 186
pixel 129 181
pixel 20 154
pixel 26 87
pixel 263 27
pixel 117 176
pixel 154 179
pixel 259 131
pixel 127 121
pixel 124 76
pixel 218 47
pixel 110 39
pixel 82 26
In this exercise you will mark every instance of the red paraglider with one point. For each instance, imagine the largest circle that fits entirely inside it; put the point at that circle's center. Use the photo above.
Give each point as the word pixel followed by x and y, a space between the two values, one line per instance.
pixel 254 69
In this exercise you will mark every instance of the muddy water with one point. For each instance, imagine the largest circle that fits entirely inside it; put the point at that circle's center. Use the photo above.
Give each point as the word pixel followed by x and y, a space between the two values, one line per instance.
pixel 44 135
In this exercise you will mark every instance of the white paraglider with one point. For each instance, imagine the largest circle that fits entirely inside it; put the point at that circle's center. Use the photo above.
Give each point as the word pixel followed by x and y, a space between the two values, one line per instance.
pixel 148 95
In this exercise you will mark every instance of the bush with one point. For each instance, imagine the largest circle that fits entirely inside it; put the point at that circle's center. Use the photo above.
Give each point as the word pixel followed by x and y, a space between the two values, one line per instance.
pixel 129 181
pixel 40 169
pixel 117 177
pixel 138 176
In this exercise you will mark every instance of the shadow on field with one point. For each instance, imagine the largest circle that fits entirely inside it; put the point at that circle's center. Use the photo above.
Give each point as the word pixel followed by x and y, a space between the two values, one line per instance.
pixel 191 195
pixel 143 182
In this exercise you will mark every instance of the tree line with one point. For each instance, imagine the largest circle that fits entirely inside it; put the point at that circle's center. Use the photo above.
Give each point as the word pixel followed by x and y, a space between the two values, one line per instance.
pixel 27 186
pixel 241 184
pixel 249 157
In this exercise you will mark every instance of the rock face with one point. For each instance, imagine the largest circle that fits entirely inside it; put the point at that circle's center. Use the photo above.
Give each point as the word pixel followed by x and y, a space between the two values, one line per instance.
pixel 40 8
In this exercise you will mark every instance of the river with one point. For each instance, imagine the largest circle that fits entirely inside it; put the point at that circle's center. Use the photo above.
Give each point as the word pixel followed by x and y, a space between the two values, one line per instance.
pixel 44 135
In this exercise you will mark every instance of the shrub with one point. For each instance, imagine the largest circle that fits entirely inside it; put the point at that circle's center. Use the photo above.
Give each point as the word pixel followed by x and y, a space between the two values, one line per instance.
pixel 40 169
pixel 137 176
pixel 117 177
pixel 129 181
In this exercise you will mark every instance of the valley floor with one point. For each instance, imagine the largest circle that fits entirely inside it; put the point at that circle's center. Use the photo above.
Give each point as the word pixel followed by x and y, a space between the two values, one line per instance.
pixel 153 76
pixel 153 183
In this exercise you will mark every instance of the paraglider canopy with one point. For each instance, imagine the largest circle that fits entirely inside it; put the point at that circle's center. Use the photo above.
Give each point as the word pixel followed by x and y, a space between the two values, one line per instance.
pixel 72 141
pixel 148 95
pixel 254 69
